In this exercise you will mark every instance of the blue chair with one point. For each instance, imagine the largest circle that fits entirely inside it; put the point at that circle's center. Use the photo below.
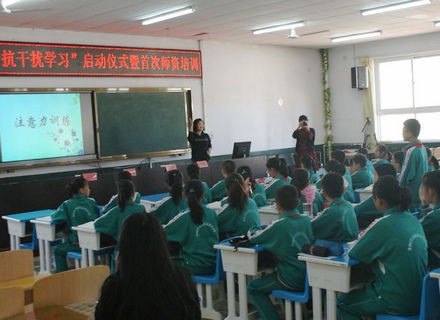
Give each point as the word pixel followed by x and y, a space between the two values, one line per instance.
pixel 297 296
pixel 357 197
pixel 429 304
pixel 208 311
pixel 77 256
pixel 31 245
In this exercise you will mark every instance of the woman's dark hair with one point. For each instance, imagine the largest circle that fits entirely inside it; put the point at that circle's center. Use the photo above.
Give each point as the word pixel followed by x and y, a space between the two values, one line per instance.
pixel 279 165
pixel 237 196
pixel 383 150
pixel 228 166
pixel 195 123
pixel 339 156
pixel 333 185
pixel 145 273
pixel 175 182
pixel 431 180
pixel 388 189
pixel 413 126
pixel 287 197
pixel 300 178
pixel 124 175
pixel 398 157
pixel 359 159
pixel 193 171
pixel 246 172
pixel 74 186
pixel 303 118
pixel 194 193
pixel 125 192
pixel 385 169
pixel 307 161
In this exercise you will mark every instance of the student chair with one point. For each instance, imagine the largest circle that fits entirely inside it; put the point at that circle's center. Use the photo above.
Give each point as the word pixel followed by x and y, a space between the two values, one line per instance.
pixel 429 302
pixel 298 297
pixel 206 301
pixel 103 252
pixel 357 197
pixel 31 245
pixel 12 303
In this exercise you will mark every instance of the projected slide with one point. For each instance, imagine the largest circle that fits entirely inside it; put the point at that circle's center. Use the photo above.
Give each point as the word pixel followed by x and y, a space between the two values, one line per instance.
pixel 39 126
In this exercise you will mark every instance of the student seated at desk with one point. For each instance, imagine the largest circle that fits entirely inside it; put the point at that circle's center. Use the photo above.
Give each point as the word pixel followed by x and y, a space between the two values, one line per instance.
pixel 196 231
pixel 360 174
pixel 240 213
pixel 173 205
pixel 277 238
pixel 218 190
pixel 339 156
pixel 123 175
pixel 366 211
pixel 430 194
pixel 369 164
pixel 397 161
pixel 147 284
pixel 333 166
pixel 193 172
pixel 395 246
pixel 77 210
pixel 382 155
pixel 307 163
pixel 278 176
pixel 337 222
pixel 432 161
pixel 307 194
pixel 254 190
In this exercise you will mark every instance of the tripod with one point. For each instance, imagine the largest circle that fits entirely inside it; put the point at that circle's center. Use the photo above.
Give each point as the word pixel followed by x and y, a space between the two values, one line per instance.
pixel 367 136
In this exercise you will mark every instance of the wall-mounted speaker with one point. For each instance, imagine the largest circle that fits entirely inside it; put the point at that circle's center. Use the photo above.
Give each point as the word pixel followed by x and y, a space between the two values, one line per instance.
pixel 359 77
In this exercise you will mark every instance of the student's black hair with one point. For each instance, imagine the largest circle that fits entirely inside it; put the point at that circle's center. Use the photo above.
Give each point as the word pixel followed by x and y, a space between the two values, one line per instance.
pixel 194 193
pixel 307 161
pixel 228 166
pixel 385 169
pixel 74 186
pixel 125 192
pixel 413 126
pixel 279 165
pixel 300 178
pixel 333 185
pixel 124 175
pixel 303 118
pixel 287 197
pixel 142 278
pixel 363 151
pixel 339 156
pixel 331 166
pixel 340 169
pixel 195 123
pixel 383 150
pixel 359 159
pixel 428 152
pixel 175 182
pixel 246 172
pixel 434 162
pixel 237 196
pixel 431 180
pixel 388 189
pixel 193 171
pixel 398 157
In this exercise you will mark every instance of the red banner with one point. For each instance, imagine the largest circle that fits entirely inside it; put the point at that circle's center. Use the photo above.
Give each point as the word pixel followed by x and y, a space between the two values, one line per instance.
pixel 38 59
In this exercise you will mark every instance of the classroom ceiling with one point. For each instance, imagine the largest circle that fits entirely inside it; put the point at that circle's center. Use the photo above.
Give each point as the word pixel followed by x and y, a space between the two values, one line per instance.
pixel 226 20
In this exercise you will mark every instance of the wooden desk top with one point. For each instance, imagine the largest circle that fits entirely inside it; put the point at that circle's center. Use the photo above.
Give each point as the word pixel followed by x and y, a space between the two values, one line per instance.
pixel 26 282
pixel 59 313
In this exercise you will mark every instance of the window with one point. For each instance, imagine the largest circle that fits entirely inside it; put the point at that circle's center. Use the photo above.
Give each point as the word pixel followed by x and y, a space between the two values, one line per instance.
pixel 408 88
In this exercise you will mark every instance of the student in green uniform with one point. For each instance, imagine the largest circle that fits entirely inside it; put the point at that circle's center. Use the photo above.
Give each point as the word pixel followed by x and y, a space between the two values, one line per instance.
pixel 284 238
pixel 307 163
pixel 395 246
pixel 382 155
pixel 307 194
pixel 360 174
pixel 123 175
pixel 77 210
pixel 255 190
pixel 432 161
pixel 175 203
pixel 430 194
pixel 337 222
pixel 366 211
pixel 240 213
pixel 278 176
pixel 369 164
pixel 333 166
pixel 415 164
pixel 218 190
pixel 193 172
pixel 397 161
pixel 196 231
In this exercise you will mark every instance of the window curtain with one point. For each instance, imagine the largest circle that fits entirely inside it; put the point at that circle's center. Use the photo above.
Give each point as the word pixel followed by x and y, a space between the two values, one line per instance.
pixel 368 110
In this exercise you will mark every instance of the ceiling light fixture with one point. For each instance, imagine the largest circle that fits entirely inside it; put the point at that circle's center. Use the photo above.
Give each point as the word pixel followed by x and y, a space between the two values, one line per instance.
pixel 291 25
pixel 168 15
pixel 395 6
pixel 437 23
pixel 356 36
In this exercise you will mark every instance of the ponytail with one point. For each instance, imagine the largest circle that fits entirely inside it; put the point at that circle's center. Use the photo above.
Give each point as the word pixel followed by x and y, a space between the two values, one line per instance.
pixel 388 189
pixel 194 194
pixel 175 182
pixel 279 165
pixel 125 192
pixel 237 196
pixel 74 186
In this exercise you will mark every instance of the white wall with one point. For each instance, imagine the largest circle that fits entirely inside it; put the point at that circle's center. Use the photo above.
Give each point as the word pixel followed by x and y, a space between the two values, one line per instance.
pixel 347 102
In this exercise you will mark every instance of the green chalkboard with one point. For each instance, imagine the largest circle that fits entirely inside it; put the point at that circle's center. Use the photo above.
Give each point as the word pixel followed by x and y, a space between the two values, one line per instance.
pixel 142 123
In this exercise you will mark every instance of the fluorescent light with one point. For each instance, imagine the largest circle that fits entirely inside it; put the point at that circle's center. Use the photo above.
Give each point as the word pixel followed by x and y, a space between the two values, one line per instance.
pixel 7 3
pixel 395 6
pixel 437 23
pixel 168 15
pixel 356 36
pixel 291 25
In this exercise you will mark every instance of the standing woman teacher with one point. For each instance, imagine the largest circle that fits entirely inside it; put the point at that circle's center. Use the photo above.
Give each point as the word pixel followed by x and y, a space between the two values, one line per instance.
pixel 199 141
pixel 305 142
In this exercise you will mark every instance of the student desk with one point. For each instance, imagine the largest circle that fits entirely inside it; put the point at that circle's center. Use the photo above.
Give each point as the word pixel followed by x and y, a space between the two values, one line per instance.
pixel 331 274
pixel 27 283
pixel 240 262
pixel 268 214
pixel 89 241
pixel 60 313
pixel 364 193
pixel 153 200
pixel 216 206
pixel 17 224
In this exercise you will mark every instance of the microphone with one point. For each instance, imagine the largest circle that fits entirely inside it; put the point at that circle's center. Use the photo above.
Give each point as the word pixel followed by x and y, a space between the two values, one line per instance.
pixel 315 250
